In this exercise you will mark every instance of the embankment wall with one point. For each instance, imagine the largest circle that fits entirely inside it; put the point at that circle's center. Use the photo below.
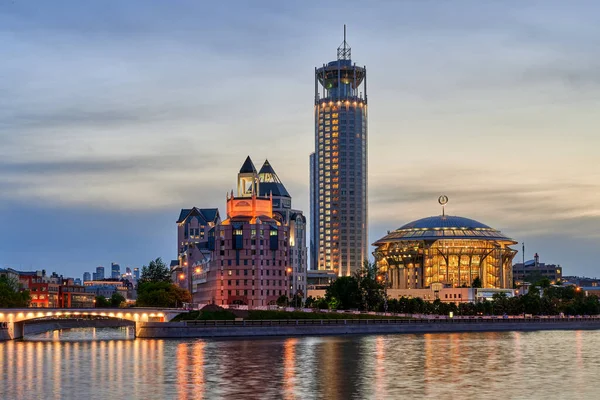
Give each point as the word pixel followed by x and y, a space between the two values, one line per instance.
pixel 183 330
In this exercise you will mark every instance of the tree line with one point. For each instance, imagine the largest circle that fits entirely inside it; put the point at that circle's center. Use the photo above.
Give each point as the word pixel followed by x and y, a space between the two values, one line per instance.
pixel 365 291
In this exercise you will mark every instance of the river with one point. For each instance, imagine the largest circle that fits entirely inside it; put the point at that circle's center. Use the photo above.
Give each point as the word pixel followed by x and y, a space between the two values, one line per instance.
pixel 109 364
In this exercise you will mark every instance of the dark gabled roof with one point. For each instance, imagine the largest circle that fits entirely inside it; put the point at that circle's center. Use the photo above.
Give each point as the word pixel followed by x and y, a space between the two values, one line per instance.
pixel 207 214
pixel 210 214
pixel 184 213
pixel 174 263
pixel 248 167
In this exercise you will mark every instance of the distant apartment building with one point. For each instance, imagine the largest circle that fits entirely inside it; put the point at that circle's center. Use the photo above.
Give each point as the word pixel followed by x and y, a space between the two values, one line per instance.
pixel 54 291
pixel 534 269
pixel 115 271
pixel 107 288
pixel 9 273
pixel 244 259
pixel 581 281
pixel 99 274
pixel 136 274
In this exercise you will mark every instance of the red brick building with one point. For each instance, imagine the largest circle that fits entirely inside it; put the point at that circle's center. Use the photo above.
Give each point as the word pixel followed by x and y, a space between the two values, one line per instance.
pixel 241 260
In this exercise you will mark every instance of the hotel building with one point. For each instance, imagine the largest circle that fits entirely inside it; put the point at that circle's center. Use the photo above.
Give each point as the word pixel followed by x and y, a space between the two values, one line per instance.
pixel 339 166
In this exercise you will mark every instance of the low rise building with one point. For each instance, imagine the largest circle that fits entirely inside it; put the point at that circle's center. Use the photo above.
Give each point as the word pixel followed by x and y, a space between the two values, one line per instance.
pixel 535 270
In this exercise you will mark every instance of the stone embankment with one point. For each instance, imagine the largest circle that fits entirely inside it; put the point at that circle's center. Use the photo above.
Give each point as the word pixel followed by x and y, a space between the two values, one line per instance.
pixel 311 327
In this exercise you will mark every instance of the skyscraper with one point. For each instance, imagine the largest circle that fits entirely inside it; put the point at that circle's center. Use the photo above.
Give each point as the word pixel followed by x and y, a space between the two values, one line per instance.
pixel 87 276
pixel 115 271
pixel 339 166
pixel 99 274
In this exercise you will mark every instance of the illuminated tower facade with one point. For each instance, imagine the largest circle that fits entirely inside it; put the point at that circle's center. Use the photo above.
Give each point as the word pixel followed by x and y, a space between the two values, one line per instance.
pixel 339 166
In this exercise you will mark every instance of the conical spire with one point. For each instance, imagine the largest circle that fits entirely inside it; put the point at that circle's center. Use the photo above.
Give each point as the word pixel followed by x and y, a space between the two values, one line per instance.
pixel 267 173
pixel 270 184
pixel 248 167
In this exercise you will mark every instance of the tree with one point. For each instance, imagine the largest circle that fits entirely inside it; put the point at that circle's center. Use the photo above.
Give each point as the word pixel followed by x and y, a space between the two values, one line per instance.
pixel 310 301
pixel 371 285
pixel 161 294
pixel 344 293
pixel 102 302
pixel 282 301
pixel 156 271
pixel 11 296
pixel 116 299
pixel 476 283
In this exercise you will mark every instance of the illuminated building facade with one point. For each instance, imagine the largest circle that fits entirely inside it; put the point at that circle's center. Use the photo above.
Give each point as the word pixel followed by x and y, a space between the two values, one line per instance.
pixel 271 186
pixel 339 166
pixel 445 252
pixel 242 260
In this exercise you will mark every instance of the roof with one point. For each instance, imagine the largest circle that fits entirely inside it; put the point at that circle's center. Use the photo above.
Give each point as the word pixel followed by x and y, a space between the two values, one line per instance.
pixel 208 214
pixel 266 188
pixel 248 167
pixel 174 263
pixel 444 227
pixel 270 182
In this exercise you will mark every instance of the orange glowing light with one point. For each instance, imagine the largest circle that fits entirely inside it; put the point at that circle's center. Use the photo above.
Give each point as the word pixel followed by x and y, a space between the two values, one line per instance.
pixel 181 277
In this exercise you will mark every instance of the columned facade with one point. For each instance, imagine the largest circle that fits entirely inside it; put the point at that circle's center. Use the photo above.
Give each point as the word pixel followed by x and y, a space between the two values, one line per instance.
pixel 446 251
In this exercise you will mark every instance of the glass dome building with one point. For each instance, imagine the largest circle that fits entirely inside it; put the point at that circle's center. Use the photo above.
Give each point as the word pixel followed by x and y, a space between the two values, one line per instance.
pixel 445 251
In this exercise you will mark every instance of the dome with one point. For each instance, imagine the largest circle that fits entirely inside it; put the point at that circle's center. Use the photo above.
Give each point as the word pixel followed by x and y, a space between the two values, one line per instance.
pixel 446 221
pixel 444 227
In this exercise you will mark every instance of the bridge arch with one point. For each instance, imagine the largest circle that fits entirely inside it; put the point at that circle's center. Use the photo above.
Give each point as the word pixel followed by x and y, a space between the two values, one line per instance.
pixel 15 319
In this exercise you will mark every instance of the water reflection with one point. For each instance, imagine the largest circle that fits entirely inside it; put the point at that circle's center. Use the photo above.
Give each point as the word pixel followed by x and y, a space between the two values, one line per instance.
pixel 481 365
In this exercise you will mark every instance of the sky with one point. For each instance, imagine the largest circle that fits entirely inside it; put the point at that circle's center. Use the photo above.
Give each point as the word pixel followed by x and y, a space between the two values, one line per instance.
pixel 114 115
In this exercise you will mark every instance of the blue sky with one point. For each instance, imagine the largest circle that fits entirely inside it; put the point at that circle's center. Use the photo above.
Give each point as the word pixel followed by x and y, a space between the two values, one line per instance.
pixel 116 114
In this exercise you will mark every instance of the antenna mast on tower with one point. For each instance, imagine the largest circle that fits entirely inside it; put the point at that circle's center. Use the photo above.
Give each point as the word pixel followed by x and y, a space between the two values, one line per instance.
pixel 343 52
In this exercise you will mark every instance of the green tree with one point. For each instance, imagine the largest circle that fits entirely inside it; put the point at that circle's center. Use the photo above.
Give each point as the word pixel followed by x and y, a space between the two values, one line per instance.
pixel 476 283
pixel 310 301
pixel 344 293
pixel 371 286
pixel 282 301
pixel 156 271
pixel 102 302
pixel 116 299
pixel 11 296
pixel 161 294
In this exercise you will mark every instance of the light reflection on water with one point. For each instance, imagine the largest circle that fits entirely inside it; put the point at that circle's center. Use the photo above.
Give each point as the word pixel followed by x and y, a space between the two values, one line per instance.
pixel 534 365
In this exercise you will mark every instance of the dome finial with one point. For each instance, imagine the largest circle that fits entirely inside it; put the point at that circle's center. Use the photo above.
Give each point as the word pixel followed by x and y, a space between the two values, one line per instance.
pixel 443 200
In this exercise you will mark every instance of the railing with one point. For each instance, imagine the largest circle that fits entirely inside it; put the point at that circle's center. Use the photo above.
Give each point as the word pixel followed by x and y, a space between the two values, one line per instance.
pixel 452 321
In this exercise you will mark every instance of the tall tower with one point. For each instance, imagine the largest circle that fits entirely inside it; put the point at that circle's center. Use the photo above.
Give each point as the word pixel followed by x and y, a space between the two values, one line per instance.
pixel 339 166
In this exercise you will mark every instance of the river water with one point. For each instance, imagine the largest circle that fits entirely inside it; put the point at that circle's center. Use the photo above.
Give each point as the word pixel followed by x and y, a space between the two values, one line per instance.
pixel 108 364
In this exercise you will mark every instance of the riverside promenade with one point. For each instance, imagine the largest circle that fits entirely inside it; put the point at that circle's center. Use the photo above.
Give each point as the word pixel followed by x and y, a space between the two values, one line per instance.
pixel 312 327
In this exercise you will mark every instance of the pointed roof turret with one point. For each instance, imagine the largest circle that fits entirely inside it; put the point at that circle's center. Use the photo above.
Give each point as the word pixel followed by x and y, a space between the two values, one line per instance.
pixel 270 182
pixel 267 173
pixel 248 167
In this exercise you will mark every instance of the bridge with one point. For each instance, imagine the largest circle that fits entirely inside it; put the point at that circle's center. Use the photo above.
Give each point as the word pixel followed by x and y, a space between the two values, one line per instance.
pixel 13 320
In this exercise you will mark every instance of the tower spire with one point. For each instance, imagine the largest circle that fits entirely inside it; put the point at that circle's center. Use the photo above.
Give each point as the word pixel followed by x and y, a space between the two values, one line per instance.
pixel 344 51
